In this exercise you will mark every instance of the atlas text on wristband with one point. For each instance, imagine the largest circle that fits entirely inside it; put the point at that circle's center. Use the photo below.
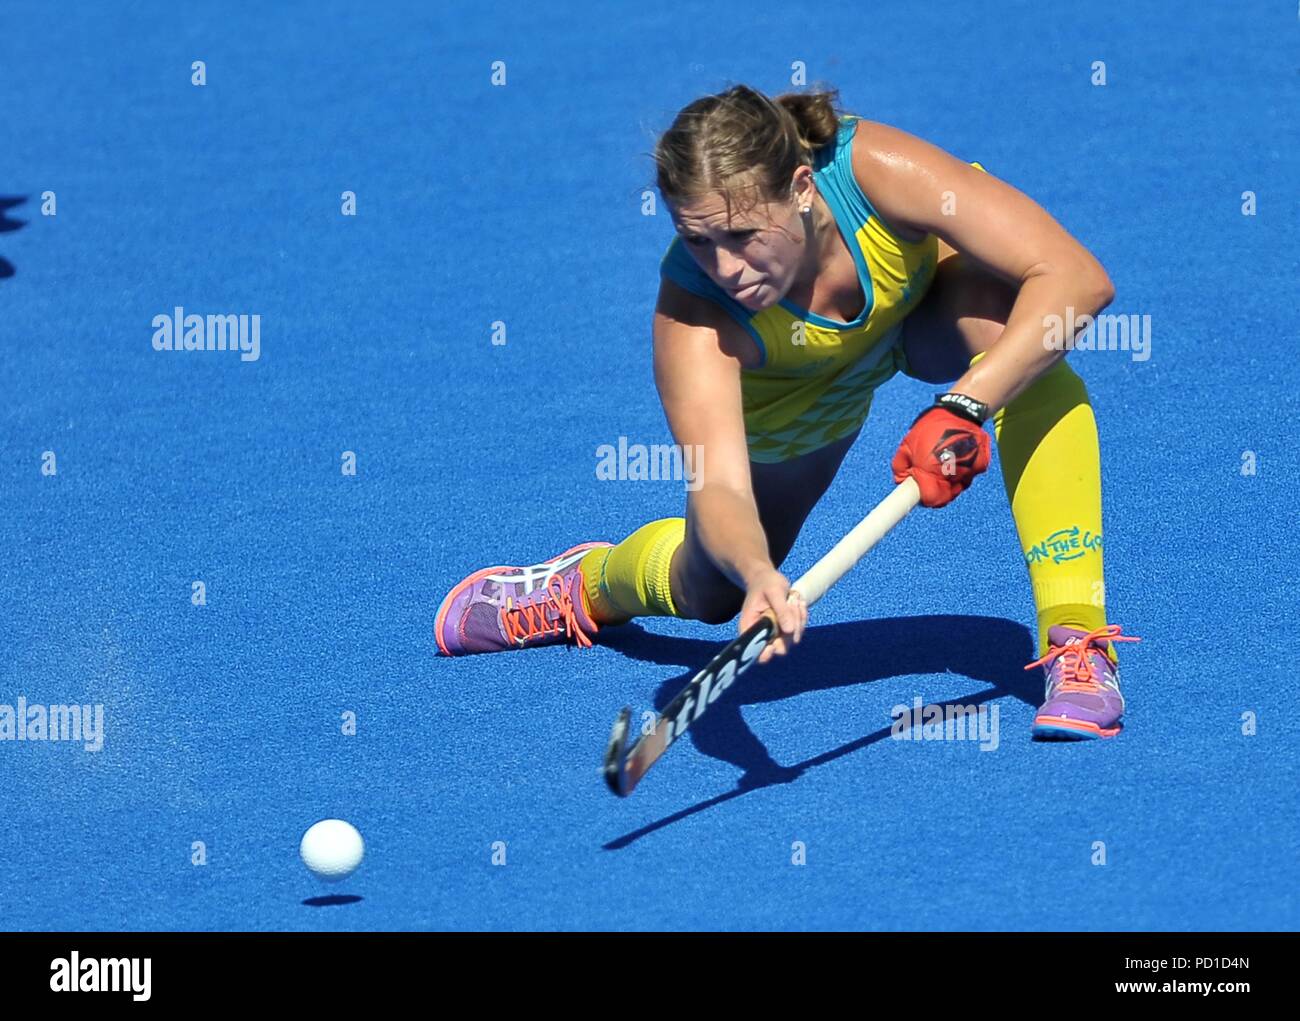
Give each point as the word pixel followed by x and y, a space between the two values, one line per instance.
pixel 967 407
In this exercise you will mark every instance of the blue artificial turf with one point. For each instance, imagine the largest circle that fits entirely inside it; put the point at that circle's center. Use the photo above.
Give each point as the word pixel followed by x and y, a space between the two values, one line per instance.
pixel 522 205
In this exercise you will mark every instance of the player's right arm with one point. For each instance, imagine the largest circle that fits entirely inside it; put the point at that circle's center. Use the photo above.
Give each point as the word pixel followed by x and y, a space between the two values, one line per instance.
pixel 698 355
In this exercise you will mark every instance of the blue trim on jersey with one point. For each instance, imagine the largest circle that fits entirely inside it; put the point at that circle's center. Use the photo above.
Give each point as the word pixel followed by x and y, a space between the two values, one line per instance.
pixel 838 186
pixel 854 198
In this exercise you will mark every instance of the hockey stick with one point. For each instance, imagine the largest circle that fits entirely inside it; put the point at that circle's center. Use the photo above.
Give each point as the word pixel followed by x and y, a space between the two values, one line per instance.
pixel 624 766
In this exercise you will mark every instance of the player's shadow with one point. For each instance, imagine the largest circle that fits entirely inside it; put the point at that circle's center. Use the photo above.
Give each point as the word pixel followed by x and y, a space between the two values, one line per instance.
pixel 7 224
pixel 988 650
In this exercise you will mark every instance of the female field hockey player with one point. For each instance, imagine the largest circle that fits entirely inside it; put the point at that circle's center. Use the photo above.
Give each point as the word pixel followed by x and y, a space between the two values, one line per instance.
pixel 818 254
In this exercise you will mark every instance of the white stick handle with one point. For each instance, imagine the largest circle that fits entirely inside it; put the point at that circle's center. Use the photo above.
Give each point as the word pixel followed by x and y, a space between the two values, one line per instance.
pixel 854 546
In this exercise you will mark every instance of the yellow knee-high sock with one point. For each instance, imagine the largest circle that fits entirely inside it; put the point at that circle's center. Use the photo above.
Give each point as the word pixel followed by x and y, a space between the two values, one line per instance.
pixel 632 579
pixel 1051 466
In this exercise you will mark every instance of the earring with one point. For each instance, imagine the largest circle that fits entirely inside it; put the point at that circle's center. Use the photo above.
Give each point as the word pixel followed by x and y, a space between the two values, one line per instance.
pixel 806 210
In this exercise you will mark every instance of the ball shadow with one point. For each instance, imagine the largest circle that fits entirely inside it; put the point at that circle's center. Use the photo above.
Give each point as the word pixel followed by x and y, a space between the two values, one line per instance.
pixel 331 899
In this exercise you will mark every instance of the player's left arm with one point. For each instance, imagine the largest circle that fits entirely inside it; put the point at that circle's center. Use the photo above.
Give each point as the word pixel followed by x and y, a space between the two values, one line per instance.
pixel 915 185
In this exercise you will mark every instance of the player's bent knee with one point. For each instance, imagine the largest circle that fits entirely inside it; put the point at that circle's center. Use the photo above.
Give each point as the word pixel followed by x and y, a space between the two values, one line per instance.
pixel 715 606
pixel 719 613
pixel 723 612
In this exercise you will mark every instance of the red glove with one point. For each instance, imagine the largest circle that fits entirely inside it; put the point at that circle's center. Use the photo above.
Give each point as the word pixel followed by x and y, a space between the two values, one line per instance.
pixel 945 449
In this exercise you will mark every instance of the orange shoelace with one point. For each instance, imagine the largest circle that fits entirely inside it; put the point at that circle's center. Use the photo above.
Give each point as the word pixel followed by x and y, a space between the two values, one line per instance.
pixel 544 617
pixel 1077 672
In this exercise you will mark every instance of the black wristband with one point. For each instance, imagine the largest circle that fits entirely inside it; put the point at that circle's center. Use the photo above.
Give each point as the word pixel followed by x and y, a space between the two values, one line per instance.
pixel 966 407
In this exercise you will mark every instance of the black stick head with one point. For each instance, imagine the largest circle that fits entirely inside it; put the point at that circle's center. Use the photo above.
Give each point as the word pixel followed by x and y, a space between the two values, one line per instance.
pixel 616 753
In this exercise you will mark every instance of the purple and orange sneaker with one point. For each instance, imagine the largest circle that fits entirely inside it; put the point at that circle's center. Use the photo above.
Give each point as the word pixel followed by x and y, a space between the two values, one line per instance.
pixel 1083 698
pixel 501 608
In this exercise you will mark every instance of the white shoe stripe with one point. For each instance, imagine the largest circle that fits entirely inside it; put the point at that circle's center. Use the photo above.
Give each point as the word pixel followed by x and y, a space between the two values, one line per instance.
pixel 538 575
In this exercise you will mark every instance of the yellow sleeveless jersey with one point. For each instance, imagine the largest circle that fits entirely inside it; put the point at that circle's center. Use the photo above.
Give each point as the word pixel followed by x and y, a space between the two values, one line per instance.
pixel 818 375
